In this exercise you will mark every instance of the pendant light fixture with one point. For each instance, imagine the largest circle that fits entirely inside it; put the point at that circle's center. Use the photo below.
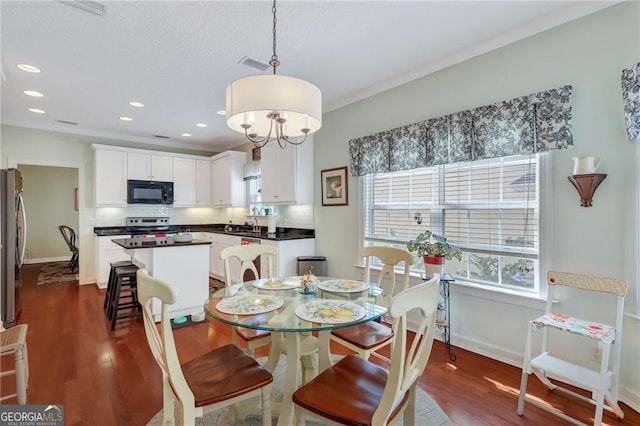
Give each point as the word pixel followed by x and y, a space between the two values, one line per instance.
pixel 274 107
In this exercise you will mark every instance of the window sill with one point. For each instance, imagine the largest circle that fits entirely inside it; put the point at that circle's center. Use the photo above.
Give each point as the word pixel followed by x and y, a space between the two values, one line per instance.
pixel 485 292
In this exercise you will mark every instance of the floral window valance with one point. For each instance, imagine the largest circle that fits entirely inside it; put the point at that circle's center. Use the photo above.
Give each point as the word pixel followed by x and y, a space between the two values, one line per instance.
pixel 631 97
pixel 525 125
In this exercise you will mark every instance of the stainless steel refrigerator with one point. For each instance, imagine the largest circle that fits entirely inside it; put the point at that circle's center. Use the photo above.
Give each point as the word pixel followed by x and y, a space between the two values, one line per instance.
pixel 13 232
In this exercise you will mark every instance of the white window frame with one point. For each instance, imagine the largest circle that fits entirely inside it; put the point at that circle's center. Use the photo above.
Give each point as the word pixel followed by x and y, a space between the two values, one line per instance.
pixel 535 299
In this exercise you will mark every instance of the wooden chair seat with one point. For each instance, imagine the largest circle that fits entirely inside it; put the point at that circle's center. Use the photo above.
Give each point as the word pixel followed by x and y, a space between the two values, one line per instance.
pixel 362 386
pixel 223 374
pixel 249 334
pixel 355 391
pixel 365 336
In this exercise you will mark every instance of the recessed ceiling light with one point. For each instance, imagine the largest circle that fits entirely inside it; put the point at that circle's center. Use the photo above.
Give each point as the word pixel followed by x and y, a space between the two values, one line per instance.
pixel 33 93
pixel 221 112
pixel 36 110
pixel 201 125
pixel 136 104
pixel 28 68
pixel 126 118
pixel 186 135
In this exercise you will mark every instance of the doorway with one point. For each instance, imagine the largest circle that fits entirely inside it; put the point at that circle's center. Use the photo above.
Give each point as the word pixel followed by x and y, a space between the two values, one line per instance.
pixel 51 199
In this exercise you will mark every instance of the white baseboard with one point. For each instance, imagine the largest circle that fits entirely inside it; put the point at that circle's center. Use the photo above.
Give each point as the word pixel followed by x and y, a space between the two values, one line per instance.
pixel 49 259
pixel 626 395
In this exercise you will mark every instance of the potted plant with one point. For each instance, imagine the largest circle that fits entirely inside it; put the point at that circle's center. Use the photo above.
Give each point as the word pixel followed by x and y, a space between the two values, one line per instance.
pixel 434 249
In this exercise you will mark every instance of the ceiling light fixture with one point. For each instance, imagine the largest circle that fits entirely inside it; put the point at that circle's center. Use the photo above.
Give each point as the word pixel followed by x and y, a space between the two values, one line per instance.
pixel 33 93
pixel 221 112
pixel 186 135
pixel 126 118
pixel 136 104
pixel 266 107
pixel 201 125
pixel 36 110
pixel 28 68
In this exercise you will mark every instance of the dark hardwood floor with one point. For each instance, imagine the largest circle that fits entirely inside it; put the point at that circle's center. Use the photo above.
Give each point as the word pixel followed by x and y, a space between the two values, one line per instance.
pixel 110 378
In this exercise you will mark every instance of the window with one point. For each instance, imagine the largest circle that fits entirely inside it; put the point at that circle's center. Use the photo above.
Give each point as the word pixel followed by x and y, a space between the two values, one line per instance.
pixel 489 208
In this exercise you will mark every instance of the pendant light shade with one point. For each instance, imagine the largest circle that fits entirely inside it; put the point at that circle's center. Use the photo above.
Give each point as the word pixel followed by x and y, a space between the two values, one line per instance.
pixel 274 107
pixel 251 101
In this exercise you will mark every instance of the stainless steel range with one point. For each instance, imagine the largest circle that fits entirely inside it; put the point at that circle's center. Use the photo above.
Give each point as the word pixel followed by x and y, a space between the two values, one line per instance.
pixel 158 226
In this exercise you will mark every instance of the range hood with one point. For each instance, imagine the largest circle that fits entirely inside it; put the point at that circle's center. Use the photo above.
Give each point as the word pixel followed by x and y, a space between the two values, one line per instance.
pixel 252 170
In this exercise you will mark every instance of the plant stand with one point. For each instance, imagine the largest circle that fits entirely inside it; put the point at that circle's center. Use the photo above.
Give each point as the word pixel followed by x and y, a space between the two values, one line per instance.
pixel 445 325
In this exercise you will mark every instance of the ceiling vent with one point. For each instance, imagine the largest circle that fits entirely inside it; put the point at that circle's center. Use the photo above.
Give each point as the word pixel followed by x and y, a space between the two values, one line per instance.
pixel 73 123
pixel 161 136
pixel 86 5
pixel 253 63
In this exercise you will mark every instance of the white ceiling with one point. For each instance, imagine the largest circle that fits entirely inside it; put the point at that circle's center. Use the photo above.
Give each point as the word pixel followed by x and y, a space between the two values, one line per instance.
pixel 177 57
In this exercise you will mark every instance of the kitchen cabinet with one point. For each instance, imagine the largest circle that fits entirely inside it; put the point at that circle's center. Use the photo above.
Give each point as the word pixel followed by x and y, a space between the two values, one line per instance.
pixel 228 188
pixel 110 178
pixel 184 182
pixel 286 262
pixel 287 174
pixel 149 167
pixel 203 183
pixel 106 252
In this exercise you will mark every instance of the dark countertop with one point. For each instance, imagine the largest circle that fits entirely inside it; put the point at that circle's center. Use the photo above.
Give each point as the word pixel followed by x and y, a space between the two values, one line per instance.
pixel 133 243
pixel 281 234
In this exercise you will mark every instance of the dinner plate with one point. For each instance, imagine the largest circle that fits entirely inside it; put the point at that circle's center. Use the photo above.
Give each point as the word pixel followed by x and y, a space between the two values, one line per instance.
pixel 277 283
pixel 249 304
pixel 330 312
pixel 343 286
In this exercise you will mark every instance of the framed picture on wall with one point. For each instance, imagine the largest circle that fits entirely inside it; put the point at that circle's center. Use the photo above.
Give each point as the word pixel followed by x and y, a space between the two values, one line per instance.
pixel 334 187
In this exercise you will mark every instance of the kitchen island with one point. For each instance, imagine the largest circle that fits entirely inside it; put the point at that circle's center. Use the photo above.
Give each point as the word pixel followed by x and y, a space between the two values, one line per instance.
pixel 185 265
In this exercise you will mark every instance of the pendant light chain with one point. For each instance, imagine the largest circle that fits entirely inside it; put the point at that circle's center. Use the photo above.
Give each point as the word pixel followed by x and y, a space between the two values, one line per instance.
pixel 274 62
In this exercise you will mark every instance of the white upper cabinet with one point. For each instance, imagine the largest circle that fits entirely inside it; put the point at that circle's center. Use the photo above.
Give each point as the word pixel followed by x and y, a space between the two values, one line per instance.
pixel 203 183
pixel 228 188
pixel 150 167
pixel 184 182
pixel 110 178
pixel 287 174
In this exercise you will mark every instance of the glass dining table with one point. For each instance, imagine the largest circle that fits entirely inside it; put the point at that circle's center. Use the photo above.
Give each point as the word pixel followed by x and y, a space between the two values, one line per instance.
pixel 300 322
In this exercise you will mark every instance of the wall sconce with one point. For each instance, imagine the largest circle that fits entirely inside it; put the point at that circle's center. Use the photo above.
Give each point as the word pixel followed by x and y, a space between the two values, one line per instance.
pixel 586 184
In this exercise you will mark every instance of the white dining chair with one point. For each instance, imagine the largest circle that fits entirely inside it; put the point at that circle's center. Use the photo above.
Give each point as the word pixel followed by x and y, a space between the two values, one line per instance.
pixel 366 339
pixel 247 255
pixel 376 396
pixel 219 378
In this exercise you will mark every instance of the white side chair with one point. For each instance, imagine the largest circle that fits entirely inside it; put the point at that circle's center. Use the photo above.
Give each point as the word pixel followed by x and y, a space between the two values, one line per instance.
pixel 247 254
pixel 367 338
pixel 380 395
pixel 603 384
pixel 216 379
pixel 14 341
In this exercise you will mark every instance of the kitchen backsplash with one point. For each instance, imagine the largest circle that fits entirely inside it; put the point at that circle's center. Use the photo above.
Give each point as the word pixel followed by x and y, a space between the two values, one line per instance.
pixel 287 216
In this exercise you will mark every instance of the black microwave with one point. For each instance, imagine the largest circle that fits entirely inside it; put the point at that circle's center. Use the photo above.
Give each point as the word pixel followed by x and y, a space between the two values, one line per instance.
pixel 149 192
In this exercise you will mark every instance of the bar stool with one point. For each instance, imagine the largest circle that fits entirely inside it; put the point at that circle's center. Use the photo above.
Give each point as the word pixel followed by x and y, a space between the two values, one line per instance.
pixel 125 276
pixel 14 341
pixel 112 279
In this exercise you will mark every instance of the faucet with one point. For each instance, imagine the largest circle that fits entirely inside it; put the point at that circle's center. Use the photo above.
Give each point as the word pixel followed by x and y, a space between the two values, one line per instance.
pixel 256 227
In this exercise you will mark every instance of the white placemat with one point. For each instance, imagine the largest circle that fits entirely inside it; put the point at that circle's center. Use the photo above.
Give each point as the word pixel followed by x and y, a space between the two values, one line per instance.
pixel 249 304
pixel 277 284
pixel 343 286
pixel 330 312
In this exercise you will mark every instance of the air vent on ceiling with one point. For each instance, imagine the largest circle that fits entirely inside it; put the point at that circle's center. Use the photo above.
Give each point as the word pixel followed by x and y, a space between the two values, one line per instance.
pixel 253 63
pixel 86 5
pixel 161 136
pixel 73 123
